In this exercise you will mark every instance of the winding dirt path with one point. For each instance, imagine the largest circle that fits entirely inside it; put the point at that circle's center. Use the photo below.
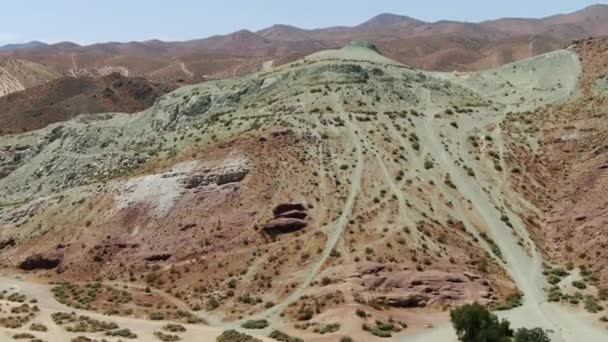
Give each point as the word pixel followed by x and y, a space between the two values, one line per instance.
pixel 333 230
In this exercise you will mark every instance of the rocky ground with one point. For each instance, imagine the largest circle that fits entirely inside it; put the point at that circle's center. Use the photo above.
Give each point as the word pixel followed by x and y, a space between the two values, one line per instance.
pixel 321 196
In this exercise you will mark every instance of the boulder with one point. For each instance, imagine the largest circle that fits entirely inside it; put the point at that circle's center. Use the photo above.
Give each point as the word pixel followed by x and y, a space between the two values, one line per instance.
pixel 287 207
pixel 157 257
pixel 41 262
pixel 294 214
pixel 284 225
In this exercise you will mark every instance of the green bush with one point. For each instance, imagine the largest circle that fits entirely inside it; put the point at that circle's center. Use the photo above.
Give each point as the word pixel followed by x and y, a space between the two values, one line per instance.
pixel 283 337
pixel 174 327
pixel 475 323
pixel 255 324
pixel 126 333
pixel 235 336
pixel 579 284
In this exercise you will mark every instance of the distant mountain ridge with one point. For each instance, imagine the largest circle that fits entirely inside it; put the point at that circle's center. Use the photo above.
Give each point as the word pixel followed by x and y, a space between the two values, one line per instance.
pixel 442 45
pixel 27 45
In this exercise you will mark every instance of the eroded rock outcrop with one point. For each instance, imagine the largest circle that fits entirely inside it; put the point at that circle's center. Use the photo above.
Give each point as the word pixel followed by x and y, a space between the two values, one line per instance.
pixel 407 289
pixel 46 261
pixel 288 218
pixel 286 207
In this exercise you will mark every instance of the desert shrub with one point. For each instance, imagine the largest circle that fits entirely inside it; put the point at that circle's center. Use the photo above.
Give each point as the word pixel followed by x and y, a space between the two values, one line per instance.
pixel 531 335
pixel 174 327
pixel 305 314
pixel 592 305
pixel 255 324
pixel 579 284
pixel 381 329
pixel 126 333
pixel 166 337
pixel 560 272
pixel 283 337
pixel 235 336
pixel 361 313
pixel 330 328
pixel 156 316
pixel 512 301
pixel 38 327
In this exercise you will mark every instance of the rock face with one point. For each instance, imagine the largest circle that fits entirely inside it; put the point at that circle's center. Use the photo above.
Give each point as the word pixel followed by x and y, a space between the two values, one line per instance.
pixel 423 289
pixel 231 177
pixel 284 225
pixel 232 171
pixel 408 301
pixel 41 262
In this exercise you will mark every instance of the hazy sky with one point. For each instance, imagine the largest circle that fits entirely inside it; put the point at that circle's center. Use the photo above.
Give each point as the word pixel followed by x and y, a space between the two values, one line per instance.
pixel 90 21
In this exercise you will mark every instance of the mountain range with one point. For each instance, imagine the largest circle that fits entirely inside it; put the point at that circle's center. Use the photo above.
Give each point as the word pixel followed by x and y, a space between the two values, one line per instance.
pixel 442 45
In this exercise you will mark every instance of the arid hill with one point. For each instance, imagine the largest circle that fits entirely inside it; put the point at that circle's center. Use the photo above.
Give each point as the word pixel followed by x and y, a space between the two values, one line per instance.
pixel 342 194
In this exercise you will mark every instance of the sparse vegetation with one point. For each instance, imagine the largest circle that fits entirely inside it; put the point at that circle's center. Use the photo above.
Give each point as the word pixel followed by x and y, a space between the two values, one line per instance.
pixel 474 323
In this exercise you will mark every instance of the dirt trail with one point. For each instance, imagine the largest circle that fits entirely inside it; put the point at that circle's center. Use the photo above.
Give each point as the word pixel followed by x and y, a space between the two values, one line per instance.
pixel 525 268
pixel 182 65
pixel 333 230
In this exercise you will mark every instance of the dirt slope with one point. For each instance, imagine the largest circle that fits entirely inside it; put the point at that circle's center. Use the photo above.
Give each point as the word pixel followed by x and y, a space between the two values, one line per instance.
pixel 17 74
pixel 63 98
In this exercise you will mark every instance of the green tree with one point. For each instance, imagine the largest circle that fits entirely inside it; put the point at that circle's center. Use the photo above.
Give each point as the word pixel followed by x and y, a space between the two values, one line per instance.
pixel 474 323
pixel 531 335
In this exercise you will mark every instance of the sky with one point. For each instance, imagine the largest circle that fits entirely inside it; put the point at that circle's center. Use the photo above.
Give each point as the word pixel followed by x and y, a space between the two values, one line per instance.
pixel 92 21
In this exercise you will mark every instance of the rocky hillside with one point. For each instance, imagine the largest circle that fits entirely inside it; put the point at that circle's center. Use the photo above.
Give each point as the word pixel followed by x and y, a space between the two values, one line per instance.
pixel 567 174
pixel 341 188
